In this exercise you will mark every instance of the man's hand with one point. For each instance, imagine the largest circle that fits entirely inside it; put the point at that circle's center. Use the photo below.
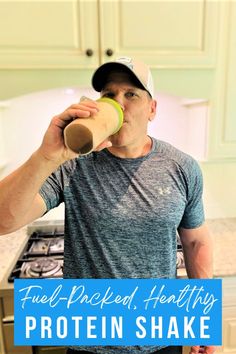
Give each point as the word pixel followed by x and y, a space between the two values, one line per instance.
pixel 53 147
pixel 202 349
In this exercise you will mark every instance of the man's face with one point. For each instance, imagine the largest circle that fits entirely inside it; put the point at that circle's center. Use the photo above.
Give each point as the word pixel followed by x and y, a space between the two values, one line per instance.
pixel 138 108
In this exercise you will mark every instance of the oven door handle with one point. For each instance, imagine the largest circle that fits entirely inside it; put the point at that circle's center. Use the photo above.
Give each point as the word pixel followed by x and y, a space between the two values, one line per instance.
pixel 8 319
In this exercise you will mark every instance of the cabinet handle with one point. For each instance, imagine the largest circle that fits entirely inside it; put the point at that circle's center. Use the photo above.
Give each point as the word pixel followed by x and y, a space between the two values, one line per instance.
pixel 8 319
pixel 109 52
pixel 89 52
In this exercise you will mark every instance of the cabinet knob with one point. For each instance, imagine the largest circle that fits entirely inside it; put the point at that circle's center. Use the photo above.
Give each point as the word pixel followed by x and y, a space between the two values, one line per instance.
pixel 89 52
pixel 109 52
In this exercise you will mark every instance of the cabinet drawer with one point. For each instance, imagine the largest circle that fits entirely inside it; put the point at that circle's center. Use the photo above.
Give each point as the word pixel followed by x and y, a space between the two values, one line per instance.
pixel 8 306
pixel 8 335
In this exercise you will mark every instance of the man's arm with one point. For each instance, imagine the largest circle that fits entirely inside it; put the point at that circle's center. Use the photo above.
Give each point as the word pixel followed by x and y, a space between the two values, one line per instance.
pixel 20 202
pixel 198 251
pixel 198 254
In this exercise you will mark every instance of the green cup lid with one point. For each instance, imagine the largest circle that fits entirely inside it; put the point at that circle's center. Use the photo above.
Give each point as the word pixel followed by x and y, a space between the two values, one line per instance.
pixel 118 109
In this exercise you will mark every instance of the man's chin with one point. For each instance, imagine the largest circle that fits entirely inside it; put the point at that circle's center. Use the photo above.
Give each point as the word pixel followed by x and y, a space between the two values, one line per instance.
pixel 118 142
pixel 120 138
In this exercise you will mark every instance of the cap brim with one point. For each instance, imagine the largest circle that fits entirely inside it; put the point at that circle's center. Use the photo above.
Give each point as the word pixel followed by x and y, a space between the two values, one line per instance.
pixel 100 76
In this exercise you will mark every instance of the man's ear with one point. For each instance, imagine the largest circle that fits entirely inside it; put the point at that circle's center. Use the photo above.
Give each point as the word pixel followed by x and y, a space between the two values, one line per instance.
pixel 153 110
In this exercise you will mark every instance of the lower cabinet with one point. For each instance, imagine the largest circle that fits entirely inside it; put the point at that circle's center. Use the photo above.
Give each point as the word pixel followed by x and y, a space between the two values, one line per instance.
pixel 10 348
pixel 229 316
pixel 229 330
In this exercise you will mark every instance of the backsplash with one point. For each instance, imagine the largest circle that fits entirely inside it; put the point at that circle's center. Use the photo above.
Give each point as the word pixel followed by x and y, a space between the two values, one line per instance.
pixel 24 120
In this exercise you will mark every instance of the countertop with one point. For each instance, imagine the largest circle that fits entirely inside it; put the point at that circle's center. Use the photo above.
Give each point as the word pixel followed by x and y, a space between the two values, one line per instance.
pixel 223 232
pixel 10 247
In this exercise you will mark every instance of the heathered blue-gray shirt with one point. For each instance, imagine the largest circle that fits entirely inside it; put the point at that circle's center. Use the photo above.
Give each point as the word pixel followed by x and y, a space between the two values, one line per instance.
pixel 122 215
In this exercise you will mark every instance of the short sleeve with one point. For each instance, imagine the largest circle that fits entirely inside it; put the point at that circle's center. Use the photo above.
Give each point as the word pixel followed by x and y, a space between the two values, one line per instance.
pixel 194 211
pixel 52 191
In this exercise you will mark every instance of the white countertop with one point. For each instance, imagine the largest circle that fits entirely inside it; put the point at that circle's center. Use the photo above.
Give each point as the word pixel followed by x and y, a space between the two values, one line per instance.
pixel 10 246
pixel 223 232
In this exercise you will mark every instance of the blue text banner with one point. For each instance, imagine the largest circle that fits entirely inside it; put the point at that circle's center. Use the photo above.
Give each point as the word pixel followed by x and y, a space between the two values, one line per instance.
pixel 118 312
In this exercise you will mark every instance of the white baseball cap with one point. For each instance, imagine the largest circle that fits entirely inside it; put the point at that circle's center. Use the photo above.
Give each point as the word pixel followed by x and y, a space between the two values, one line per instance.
pixel 137 69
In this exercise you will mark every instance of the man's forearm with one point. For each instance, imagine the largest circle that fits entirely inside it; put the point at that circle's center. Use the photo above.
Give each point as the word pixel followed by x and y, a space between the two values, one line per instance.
pixel 198 251
pixel 198 259
pixel 18 190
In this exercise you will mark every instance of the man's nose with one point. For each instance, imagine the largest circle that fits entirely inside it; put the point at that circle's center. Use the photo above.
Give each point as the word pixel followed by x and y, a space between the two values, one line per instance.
pixel 119 99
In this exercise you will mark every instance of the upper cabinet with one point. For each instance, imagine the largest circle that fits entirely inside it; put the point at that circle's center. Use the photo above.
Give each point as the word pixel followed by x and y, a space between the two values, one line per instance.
pixel 54 43
pixel 189 45
pixel 83 33
pixel 49 34
pixel 222 128
pixel 165 34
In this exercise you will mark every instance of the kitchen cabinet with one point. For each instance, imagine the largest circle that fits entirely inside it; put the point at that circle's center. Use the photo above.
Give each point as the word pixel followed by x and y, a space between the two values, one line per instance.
pixel 48 34
pixel 229 316
pixel 164 34
pixel 54 43
pixel 82 34
pixel 7 333
pixel 223 124
pixel 190 47
pixel 7 329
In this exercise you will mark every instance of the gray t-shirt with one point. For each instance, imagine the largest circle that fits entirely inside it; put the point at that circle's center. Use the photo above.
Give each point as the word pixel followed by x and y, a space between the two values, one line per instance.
pixel 122 215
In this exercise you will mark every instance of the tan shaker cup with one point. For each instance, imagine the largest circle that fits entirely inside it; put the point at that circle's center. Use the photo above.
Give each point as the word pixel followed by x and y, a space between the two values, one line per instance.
pixel 83 135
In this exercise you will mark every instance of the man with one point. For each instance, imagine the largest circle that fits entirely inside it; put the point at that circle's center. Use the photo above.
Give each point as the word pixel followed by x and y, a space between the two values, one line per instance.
pixel 124 202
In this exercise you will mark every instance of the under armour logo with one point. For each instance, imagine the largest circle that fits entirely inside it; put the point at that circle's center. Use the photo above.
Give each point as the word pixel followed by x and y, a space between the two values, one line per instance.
pixel 164 191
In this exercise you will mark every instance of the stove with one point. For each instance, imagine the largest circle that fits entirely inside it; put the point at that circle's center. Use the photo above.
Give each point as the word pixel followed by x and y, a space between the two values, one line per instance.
pixel 42 256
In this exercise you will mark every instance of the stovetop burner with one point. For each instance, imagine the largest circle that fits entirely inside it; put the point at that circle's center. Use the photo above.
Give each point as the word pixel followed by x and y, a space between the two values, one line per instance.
pixel 42 267
pixel 42 256
pixel 47 246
